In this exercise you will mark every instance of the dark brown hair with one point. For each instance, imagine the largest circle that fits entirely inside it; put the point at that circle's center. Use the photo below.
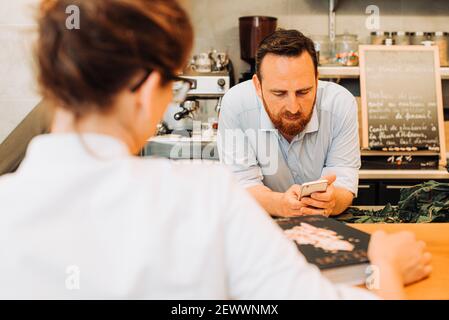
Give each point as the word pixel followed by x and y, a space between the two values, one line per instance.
pixel 83 69
pixel 289 43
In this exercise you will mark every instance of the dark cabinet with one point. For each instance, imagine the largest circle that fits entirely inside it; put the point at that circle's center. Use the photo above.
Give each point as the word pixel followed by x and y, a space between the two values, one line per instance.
pixel 381 192
pixel 367 194
pixel 390 191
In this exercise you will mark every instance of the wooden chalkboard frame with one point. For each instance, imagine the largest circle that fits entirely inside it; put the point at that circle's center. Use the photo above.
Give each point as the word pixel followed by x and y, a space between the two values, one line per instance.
pixel 440 114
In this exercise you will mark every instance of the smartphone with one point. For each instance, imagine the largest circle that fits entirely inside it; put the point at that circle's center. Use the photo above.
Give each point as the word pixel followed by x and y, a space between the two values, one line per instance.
pixel 311 187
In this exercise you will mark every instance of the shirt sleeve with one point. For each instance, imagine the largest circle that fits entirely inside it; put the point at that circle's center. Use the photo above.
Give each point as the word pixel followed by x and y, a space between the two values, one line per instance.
pixel 263 264
pixel 343 158
pixel 234 148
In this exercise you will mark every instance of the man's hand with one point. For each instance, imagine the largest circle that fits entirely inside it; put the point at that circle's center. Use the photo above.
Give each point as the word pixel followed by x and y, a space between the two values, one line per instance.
pixel 290 206
pixel 334 201
pixel 406 255
pixel 322 203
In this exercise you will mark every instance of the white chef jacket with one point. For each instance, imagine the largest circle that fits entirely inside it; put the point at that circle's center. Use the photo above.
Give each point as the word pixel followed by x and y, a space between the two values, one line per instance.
pixel 86 220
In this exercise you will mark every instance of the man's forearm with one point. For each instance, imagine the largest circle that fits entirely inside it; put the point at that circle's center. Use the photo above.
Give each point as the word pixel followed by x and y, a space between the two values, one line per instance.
pixel 343 199
pixel 271 201
pixel 268 199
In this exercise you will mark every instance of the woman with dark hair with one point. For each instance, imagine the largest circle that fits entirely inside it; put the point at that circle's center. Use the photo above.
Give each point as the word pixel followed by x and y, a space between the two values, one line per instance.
pixel 84 218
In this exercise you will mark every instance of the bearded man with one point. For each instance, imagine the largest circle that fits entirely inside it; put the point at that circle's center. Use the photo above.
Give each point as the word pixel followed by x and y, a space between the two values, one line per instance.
pixel 313 124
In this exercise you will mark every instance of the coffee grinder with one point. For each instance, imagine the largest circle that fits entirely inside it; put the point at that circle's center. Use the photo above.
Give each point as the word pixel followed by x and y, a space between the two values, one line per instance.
pixel 253 29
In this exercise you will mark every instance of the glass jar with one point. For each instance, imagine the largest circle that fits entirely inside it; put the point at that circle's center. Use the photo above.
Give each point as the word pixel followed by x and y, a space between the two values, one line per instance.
pixel 324 48
pixel 377 37
pixel 346 50
pixel 429 36
pixel 418 37
pixel 401 38
pixel 388 41
pixel 441 39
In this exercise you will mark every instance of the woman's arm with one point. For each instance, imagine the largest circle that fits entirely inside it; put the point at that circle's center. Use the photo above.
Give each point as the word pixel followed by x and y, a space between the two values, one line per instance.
pixel 263 264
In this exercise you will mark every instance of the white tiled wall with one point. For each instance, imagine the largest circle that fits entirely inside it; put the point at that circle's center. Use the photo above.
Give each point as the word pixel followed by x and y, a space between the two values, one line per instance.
pixel 216 21
pixel 17 86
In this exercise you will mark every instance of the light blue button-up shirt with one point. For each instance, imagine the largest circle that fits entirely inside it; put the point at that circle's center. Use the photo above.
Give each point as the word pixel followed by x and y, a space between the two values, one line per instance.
pixel 249 143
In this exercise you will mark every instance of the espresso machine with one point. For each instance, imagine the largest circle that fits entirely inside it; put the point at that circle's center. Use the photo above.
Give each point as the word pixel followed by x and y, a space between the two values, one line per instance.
pixel 188 130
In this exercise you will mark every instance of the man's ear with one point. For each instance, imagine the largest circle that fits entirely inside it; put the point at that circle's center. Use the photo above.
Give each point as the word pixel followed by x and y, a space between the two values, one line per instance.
pixel 257 85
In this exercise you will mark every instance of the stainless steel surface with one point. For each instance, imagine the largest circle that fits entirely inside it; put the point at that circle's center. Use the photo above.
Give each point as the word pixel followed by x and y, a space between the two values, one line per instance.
pixel 398 187
pixel 220 60
pixel 218 107
pixel 172 120
pixel 177 147
pixel 207 87
pixel 194 123
pixel 212 61
pixel 162 128
pixel 364 186
pixel 209 84
pixel 332 25
pixel 202 63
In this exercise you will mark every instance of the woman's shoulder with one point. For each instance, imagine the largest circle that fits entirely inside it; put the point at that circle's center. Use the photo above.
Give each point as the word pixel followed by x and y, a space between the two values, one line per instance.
pixel 189 186
pixel 195 173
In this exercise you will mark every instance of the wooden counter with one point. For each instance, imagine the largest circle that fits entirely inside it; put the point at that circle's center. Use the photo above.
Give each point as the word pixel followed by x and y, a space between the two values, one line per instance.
pixel 436 235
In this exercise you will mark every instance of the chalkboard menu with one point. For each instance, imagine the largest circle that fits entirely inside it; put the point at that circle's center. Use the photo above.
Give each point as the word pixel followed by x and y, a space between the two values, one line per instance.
pixel 402 107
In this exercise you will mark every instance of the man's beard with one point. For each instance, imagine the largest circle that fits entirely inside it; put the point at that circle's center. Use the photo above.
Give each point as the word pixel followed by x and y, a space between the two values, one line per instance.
pixel 289 124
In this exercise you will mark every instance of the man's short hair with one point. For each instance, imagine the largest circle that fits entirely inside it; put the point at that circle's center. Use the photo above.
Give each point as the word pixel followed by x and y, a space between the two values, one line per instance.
pixel 288 43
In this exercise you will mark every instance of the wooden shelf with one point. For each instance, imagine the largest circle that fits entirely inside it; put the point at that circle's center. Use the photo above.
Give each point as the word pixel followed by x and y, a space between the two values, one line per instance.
pixel 338 72
pixel 354 72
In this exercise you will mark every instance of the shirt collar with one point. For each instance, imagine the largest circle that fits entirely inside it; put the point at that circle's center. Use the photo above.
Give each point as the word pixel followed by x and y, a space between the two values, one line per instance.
pixel 265 122
pixel 313 124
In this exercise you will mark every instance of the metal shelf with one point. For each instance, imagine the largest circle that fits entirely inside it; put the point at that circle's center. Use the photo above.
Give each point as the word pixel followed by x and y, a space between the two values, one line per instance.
pixel 354 72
